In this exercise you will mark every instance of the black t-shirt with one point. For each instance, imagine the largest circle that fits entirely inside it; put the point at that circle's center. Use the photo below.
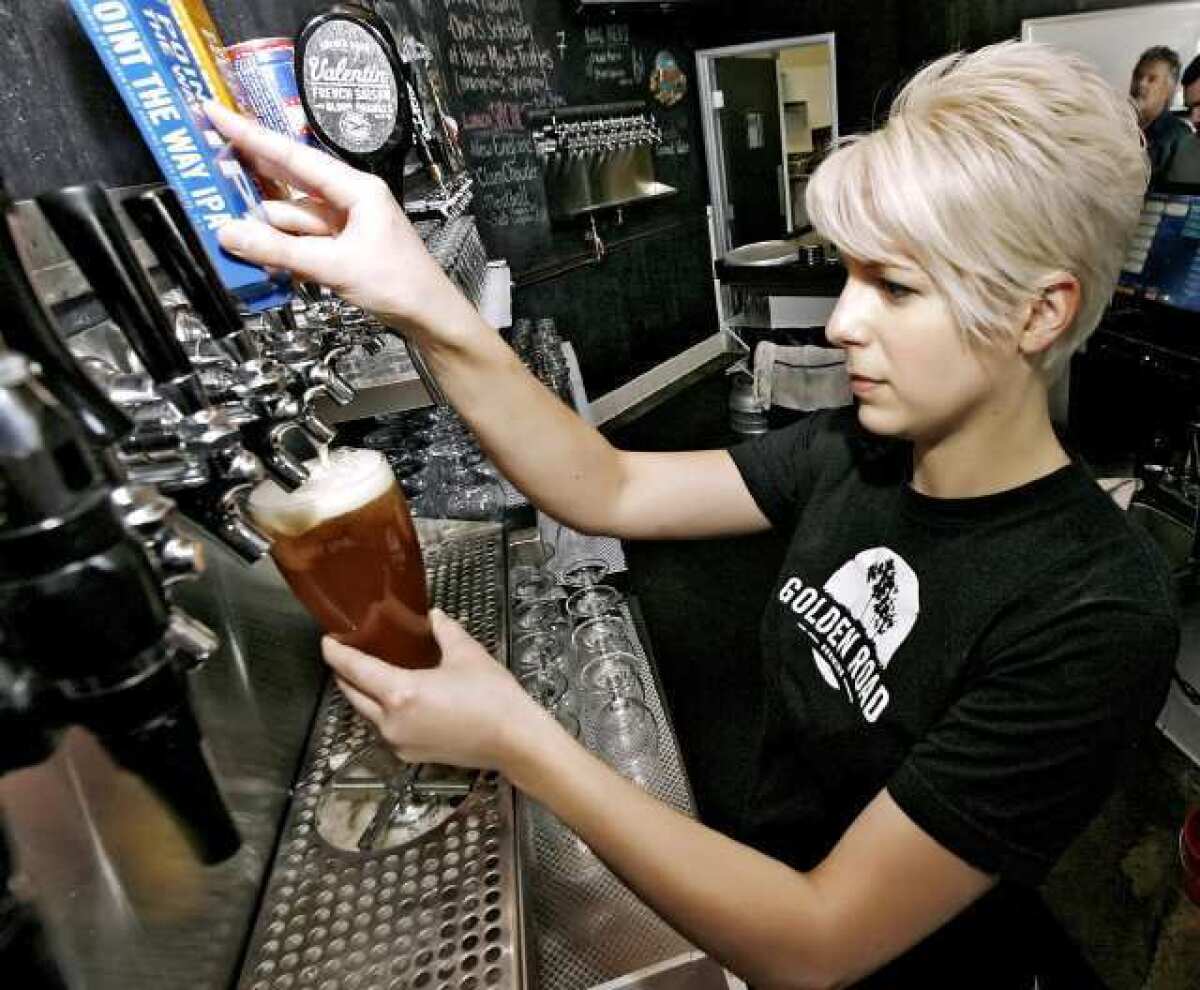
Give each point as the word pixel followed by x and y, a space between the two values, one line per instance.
pixel 987 660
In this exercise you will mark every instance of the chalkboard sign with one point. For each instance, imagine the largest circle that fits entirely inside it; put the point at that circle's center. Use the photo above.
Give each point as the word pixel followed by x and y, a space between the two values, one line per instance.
pixel 501 58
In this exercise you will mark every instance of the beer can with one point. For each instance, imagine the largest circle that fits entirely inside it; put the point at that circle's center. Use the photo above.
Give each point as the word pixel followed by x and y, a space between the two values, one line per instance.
pixel 264 72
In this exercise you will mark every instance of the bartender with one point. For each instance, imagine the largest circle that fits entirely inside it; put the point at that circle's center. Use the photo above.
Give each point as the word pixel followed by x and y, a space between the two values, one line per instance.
pixel 966 636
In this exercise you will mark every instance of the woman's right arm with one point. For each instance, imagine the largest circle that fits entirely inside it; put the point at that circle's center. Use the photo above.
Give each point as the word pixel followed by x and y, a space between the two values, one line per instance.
pixel 352 236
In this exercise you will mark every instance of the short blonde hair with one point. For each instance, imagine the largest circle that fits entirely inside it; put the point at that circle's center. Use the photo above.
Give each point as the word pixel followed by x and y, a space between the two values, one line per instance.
pixel 994 169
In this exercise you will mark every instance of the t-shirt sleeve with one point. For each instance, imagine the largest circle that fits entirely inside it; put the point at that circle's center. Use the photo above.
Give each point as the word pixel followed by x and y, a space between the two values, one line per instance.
pixel 777 468
pixel 1030 751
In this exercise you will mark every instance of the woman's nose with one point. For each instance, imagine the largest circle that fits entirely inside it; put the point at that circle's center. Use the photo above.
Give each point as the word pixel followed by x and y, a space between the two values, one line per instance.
pixel 845 327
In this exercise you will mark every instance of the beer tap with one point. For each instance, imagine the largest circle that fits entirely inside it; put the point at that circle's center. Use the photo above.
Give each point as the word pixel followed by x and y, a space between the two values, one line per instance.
pixel 29 328
pixel 206 441
pixel 161 219
pixel 87 636
pixel 277 399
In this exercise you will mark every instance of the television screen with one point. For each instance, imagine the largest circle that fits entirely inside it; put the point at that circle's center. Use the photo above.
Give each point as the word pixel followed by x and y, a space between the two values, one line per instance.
pixel 1163 263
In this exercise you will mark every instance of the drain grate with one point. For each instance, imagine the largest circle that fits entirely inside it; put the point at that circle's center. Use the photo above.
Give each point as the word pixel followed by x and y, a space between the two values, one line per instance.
pixel 440 911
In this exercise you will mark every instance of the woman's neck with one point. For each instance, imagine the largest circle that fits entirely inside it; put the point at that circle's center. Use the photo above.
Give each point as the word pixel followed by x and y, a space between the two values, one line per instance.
pixel 997 450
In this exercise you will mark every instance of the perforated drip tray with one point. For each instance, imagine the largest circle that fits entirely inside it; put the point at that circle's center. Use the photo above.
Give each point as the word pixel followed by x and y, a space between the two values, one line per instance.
pixel 584 927
pixel 434 900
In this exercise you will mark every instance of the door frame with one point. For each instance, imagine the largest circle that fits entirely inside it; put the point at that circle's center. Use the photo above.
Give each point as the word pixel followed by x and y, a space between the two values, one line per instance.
pixel 713 142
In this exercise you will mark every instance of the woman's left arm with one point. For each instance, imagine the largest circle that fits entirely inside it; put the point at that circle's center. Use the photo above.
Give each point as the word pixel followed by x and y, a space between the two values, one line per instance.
pixel 883 888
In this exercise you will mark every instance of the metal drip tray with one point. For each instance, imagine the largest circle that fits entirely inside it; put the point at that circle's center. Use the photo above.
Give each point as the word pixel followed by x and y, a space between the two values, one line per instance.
pixel 442 907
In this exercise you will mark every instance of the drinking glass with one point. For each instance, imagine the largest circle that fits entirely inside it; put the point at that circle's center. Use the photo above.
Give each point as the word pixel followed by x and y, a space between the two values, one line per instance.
pixel 539 614
pixel 613 675
pixel 605 634
pixel 593 602
pixel 472 495
pixel 626 736
pixel 346 545
pixel 538 651
pixel 584 572
pixel 547 686
pixel 529 582
pixel 566 718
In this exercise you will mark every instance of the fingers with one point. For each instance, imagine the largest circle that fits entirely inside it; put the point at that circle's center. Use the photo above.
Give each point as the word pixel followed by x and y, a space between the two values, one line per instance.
pixel 379 681
pixel 368 708
pixel 448 633
pixel 262 244
pixel 282 158
pixel 310 218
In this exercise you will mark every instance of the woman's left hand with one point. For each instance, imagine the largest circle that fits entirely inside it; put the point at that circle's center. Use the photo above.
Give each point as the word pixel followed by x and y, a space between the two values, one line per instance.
pixel 468 711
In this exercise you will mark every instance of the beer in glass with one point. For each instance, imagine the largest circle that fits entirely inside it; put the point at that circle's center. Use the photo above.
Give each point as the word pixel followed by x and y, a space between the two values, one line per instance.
pixel 345 543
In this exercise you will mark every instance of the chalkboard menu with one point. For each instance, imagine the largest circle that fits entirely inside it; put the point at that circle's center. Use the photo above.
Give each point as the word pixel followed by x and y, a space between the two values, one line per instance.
pixel 497 59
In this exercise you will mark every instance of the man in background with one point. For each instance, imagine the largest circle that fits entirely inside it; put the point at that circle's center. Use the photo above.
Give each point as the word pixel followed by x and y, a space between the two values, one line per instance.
pixel 1151 88
pixel 1185 163
pixel 1191 91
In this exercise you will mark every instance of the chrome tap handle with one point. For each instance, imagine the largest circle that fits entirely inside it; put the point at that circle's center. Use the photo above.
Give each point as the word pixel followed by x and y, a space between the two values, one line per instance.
pixel 192 638
pixel 222 513
pixel 269 441
pixel 313 424
pixel 160 217
pixel 26 326
pixel 325 373
pixel 88 226
pixel 237 531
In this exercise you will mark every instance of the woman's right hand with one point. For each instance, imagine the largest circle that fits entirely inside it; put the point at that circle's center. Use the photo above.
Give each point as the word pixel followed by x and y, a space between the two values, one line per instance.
pixel 349 233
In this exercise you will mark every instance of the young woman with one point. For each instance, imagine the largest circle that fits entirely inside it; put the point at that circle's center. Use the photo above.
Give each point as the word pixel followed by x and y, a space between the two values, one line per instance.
pixel 966 634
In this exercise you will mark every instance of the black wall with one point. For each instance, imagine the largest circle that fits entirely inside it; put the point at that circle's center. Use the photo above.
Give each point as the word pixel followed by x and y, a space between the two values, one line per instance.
pixel 652 296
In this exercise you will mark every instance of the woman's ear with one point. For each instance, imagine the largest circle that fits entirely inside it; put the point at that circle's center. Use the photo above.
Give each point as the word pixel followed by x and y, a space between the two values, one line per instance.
pixel 1051 313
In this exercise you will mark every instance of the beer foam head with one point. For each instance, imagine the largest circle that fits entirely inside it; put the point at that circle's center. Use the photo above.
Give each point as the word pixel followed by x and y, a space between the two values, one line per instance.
pixel 349 480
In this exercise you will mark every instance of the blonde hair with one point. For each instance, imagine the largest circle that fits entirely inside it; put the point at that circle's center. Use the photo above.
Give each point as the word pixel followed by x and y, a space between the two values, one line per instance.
pixel 994 169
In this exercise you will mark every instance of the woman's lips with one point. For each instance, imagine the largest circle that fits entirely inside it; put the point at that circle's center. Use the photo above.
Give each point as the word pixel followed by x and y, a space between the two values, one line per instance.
pixel 861 385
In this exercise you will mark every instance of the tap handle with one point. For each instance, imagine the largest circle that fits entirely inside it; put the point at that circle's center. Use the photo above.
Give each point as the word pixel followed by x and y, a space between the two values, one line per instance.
pixel 159 215
pixel 159 740
pixel 325 373
pixel 319 430
pixel 27 326
pixel 87 225
pixel 269 441
pixel 238 532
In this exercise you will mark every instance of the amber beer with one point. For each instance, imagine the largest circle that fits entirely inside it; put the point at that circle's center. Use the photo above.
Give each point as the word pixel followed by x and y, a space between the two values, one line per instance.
pixel 345 543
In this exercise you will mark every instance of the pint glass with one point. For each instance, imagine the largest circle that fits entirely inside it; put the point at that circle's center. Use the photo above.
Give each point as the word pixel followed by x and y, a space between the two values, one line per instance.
pixel 345 543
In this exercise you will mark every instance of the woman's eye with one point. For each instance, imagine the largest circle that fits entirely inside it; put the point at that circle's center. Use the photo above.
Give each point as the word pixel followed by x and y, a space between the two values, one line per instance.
pixel 894 290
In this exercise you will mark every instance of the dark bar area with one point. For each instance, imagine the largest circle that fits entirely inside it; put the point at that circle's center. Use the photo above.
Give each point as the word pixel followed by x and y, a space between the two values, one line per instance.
pixel 586 494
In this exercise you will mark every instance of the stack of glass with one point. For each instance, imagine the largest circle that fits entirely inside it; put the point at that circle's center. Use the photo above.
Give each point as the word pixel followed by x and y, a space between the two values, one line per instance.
pixel 540 348
pixel 438 464
pixel 573 650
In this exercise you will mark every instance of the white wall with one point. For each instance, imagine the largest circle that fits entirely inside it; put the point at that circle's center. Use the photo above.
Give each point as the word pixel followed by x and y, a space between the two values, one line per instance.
pixel 805 71
pixel 1113 39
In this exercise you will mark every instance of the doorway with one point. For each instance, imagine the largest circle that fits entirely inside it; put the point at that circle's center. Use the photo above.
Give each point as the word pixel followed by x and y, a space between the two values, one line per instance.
pixel 769 111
